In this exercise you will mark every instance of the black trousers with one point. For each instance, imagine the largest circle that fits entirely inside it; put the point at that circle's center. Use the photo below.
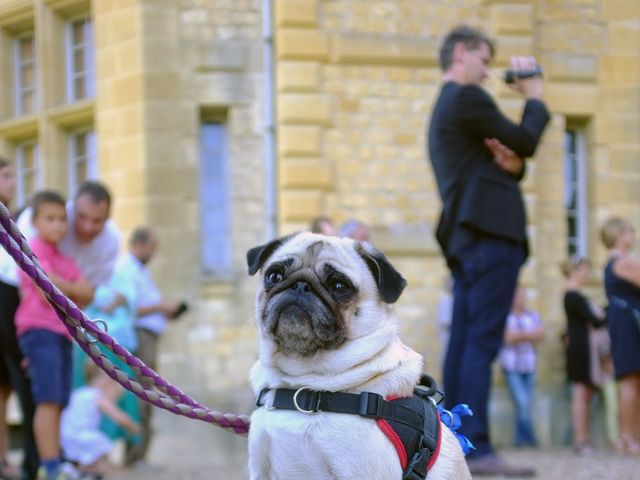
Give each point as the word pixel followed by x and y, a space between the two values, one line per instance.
pixel 485 277
pixel 20 383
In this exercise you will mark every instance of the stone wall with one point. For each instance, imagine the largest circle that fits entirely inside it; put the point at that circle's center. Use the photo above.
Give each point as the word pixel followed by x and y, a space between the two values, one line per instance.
pixel 356 80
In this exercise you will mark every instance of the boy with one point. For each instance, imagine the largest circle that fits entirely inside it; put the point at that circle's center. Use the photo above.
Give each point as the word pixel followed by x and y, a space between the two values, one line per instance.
pixel 42 336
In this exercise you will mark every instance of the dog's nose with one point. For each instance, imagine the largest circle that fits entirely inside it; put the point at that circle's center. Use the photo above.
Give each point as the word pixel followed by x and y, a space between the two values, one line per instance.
pixel 301 287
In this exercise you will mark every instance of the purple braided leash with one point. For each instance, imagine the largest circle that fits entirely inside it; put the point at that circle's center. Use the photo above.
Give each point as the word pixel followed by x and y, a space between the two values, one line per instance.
pixel 156 390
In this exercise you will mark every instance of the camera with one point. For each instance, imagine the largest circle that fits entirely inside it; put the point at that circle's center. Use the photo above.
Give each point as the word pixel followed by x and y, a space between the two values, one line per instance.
pixel 510 76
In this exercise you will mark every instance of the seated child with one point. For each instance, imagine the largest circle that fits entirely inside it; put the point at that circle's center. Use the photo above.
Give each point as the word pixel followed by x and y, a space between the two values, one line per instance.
pixel 80 436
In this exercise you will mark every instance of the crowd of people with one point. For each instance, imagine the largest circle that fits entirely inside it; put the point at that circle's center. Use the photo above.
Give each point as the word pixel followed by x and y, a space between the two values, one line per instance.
pixel 72 411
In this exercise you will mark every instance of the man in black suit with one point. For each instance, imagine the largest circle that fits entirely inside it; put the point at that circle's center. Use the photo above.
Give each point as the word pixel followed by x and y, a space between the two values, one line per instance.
pixel 476 154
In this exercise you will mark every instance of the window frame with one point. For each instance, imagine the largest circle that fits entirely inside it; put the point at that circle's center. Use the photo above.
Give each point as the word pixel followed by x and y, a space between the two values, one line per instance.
pixel 18 63
pixel 21 194
pixel 90 157
pixel 224 269
pixel 577 244
pixel 88 48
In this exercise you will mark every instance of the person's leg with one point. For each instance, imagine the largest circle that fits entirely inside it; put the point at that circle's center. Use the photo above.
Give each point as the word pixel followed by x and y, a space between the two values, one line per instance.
pixel 5 391
pixel 490 272
pixel 455 347
pixel 629 391
pixel 529 380
pixel 580 413
pixel 46 426
pixel 20 382
pixel 517 388
pixel 147 352
pixel 46 353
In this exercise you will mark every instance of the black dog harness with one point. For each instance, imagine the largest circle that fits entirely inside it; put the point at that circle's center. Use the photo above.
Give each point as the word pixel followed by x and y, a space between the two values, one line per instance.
pixel 412 424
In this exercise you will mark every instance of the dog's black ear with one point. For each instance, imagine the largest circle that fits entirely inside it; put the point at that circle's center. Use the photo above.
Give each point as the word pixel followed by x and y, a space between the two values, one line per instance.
pixel 257 256
pixel 390 282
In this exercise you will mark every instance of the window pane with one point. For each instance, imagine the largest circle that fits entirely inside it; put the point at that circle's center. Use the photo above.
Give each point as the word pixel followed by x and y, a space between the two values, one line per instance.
pixel 27 76
pixel 28 102
pixel 79 87
pixel 81 171
pixel 78 61
pixel 28 158
pixel 26 49
pixel 78 32
pixel 29 183
pixel 81 144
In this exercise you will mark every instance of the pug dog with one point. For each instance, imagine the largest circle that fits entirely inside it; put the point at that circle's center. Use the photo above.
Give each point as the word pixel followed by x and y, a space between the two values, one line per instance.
pixel 325 322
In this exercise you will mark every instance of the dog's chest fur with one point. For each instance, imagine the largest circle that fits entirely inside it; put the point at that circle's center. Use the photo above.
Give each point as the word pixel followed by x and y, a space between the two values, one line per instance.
pixel 288 445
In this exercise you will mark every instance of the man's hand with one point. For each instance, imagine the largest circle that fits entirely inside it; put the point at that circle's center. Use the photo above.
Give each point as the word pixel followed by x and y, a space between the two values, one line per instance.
pixel 168 309
pixel 529 87
pixel 504 157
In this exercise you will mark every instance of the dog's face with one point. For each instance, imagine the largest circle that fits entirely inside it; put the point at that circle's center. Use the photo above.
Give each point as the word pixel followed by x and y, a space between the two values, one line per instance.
pixel 317 291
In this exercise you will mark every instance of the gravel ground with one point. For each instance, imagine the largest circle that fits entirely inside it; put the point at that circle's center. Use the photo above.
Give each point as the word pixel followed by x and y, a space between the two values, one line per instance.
pixel 190 450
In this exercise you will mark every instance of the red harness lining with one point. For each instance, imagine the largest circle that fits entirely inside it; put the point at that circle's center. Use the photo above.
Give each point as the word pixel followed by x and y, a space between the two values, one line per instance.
pixel 399 446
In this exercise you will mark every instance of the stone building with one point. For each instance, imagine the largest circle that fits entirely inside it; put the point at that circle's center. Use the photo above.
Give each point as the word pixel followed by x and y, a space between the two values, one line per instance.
pixel 226 122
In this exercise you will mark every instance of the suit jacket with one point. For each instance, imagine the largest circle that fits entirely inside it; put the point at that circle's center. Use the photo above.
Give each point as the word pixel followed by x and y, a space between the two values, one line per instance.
pixel 478 197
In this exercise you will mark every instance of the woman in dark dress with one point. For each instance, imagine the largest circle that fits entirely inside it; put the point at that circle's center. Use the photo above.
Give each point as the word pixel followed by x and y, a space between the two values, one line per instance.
pixel 622 284
pixel 581 316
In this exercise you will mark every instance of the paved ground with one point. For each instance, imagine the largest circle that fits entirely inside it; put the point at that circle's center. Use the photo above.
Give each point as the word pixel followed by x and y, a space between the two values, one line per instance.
pixel 191 450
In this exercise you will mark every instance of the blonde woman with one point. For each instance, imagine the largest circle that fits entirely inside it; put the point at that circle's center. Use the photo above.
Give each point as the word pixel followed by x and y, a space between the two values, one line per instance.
pixel 622 284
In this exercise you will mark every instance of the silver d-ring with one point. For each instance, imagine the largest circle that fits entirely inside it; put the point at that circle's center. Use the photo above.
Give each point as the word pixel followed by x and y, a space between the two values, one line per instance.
pixel 105 329
pixel 295 401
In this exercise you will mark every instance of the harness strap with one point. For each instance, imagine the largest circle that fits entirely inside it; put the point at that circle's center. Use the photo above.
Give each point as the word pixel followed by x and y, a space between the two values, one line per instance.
pixel 412 424
pixel 366 404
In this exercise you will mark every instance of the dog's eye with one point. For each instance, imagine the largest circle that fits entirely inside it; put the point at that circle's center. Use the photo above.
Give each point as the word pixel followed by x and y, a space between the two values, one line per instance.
pixel 273 277
pixel 338 286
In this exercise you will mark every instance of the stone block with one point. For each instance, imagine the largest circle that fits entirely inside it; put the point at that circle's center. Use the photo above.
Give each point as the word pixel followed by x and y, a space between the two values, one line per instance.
pixel 620 69
pixel 304 108
pixel 222 88
pixel 299 140
pixel 512 46
pixel 300 205
pixel 624 159
pixel 126 90
pixel 510 19
pixel 377 50
pixel 300 44
pixel 616 128
pixel 298 76
pixel 624 38
pixel 619 98
pixel 305 173
pixel 296 13
pixel 576 67
pixel 572 98
pixel 618 10
pixel 222 55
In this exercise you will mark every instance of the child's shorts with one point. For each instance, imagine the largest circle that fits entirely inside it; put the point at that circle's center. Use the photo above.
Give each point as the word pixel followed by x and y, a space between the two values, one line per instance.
pixel 49 357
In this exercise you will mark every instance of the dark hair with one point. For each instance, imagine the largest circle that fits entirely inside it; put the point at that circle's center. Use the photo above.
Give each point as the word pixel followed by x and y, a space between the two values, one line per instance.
pixel 44 197
pixel 471 37
pixel 96 191
pixel 141 236
pixel 4 162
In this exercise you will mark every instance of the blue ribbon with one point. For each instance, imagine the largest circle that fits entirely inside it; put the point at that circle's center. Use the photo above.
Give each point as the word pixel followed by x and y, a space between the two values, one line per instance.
pixel 451 418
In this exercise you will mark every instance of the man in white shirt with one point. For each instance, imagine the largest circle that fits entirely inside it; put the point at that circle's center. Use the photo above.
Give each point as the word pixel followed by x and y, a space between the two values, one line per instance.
pixel 93 240
pixel 151 321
